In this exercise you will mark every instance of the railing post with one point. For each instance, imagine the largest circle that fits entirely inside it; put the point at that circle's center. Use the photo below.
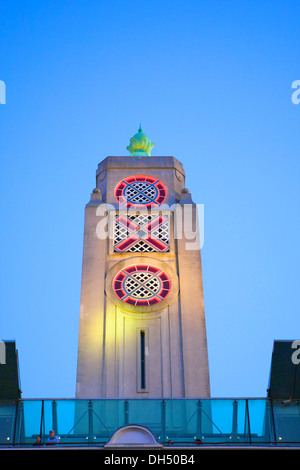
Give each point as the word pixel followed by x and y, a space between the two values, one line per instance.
pixel 163 420
pixel 16 422
pixel 199 419
pixel 248 420
pixel 54 417
pixel 42 424
pixel 126 412
pixel 20 423
pixel 269 433
pixel 273 422
pixel 91 424
pixel 234 419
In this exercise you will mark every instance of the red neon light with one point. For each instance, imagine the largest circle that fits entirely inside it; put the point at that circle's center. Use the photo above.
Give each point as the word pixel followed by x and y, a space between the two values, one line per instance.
pixel 132 298
pixel 122 185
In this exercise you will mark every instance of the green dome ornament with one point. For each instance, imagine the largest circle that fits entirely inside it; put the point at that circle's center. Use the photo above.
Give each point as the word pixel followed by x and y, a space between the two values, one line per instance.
pixel 140 145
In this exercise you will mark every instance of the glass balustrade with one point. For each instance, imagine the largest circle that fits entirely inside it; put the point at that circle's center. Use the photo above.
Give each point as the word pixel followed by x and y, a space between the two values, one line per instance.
pixel 173 422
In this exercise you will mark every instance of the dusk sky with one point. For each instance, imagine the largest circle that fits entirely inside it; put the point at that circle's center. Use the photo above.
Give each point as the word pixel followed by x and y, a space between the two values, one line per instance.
pixel 211 84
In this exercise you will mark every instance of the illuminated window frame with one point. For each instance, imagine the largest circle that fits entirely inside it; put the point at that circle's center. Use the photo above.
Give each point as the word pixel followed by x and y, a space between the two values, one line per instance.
pixel 141 233
pixel 139 288
pixel 133 183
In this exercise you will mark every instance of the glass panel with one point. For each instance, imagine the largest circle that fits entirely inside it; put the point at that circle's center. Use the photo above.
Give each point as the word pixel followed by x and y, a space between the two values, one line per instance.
pixel 29 421
pixel 260 417
pixel 50 418
pixel 7 422
pixel 221 417
pixel 181 420
pixel 108 416
pixel 91 421
pixel 68 419
pixel 287 421
pixel 146 413
pixel 240 431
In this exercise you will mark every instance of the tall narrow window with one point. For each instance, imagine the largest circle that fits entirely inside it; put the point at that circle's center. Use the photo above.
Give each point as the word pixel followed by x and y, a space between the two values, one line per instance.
pixel 143 359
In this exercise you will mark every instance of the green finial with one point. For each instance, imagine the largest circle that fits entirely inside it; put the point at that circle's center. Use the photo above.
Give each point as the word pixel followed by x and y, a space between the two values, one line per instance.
pixel 140 144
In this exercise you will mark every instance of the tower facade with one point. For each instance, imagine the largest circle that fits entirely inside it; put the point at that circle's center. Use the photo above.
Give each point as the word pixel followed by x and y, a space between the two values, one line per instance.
pixel 142 327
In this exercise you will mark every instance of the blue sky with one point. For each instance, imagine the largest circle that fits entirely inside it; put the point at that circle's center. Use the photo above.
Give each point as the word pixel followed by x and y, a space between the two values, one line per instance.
pixel 210 81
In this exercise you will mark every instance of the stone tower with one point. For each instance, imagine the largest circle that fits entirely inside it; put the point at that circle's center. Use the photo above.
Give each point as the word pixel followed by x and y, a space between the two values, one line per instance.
pixel 142 324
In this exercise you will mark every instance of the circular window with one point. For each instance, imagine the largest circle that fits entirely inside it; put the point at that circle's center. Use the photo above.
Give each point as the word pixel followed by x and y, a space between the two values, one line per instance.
pixel 140 191
pixel 141 285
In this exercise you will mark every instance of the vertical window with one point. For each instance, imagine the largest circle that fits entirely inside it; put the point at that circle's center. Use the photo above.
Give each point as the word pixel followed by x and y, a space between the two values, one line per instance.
pixel 143 359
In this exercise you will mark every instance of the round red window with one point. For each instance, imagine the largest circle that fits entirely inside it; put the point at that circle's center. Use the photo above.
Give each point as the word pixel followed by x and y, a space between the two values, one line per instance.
pixel 140 191
pixel 142 285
